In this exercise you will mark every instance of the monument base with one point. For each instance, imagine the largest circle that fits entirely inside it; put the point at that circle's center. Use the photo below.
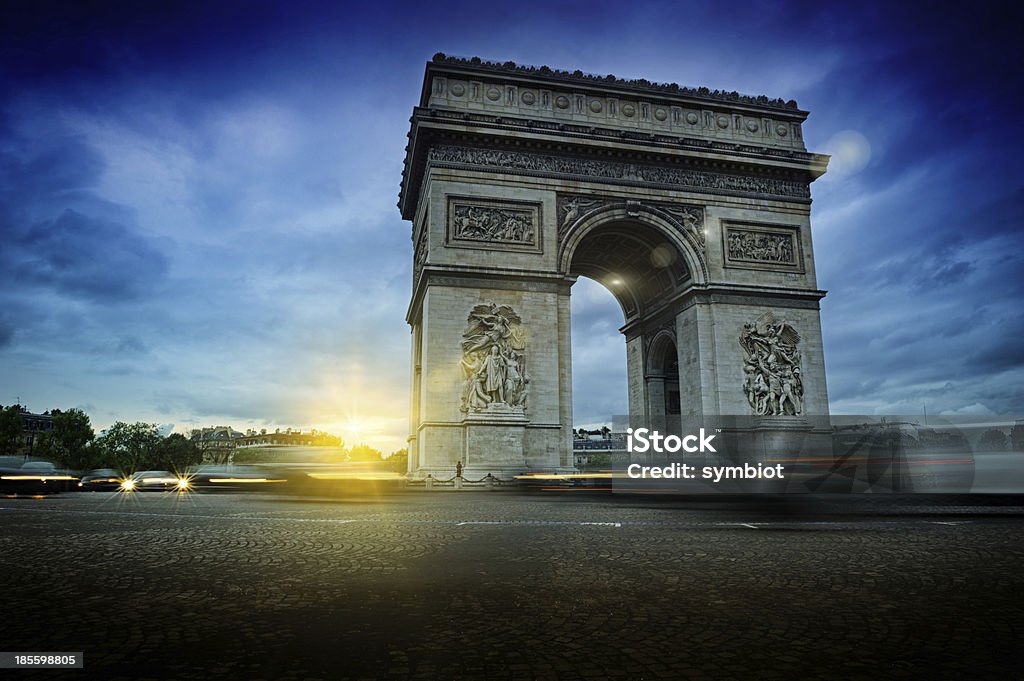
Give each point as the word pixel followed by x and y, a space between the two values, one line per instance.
pixel 495 444
pixel 493 441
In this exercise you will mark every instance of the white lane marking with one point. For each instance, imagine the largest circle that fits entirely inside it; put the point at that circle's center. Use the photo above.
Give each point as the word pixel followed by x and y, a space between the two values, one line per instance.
pixel 403 521
pixel 530 522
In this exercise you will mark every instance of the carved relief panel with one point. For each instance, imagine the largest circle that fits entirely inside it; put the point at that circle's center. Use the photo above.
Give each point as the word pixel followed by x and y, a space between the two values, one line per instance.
pixel 572 208
pixel 494 360
pixel 773 384
pixel 492 224
pixel 763 247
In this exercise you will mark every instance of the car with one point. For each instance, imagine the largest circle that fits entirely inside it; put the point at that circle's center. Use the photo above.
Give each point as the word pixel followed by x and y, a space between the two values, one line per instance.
pixel 144 481
pixel 101 480
pixel 233 477
pixel 35 477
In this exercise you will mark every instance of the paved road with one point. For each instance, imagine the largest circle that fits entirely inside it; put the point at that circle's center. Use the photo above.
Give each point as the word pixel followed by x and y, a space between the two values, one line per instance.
pixel 502 586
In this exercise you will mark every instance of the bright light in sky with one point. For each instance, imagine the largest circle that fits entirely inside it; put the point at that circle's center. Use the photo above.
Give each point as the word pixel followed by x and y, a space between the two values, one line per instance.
pixel 850 151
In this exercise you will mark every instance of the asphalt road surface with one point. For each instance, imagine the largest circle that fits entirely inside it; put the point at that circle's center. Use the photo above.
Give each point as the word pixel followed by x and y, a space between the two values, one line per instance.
pixel 497 585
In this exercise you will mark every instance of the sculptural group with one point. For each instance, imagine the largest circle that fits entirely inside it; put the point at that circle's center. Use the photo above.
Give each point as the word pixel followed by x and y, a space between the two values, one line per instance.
pixel 773 385
pixel 494 359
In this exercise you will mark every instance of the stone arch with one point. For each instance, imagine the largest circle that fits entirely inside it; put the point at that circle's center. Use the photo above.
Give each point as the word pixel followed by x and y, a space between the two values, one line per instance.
pixel 634 251
pixel 657 359
pixel 625 212
pixel 661 375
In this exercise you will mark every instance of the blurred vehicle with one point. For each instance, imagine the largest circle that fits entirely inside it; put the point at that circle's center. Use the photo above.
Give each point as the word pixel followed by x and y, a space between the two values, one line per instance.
pixel 232 476
pixel 35 477
pixel 902 456
pixel 101 480
pixel 145 481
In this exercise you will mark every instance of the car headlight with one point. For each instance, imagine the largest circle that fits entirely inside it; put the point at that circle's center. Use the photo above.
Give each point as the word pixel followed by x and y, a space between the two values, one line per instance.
pixel 183 484
pixel 128 485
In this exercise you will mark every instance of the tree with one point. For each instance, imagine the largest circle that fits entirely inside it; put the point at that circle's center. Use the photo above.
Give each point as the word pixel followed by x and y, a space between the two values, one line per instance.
pixel 68 442
pixel 11 424
pixel 399 461
pixel 176 453
pixel 598 461
pixel 364 453
pixel 130 447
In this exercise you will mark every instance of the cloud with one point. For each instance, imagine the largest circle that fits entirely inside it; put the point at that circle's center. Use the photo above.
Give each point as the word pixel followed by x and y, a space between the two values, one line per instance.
pixel 598 355
pixel 130 344
pixel 84 257
pixel 976 409
pixel 6 331
pixel 58 233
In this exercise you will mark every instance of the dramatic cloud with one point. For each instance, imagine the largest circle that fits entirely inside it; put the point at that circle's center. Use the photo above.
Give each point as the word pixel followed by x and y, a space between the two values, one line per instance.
pixel 197 199
pixel 84 257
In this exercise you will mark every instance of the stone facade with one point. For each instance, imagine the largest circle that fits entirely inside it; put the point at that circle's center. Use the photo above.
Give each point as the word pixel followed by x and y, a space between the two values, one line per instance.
pixel 692 207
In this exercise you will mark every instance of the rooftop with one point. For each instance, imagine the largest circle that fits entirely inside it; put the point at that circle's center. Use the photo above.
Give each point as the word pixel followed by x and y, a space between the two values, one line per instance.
pixel 579 77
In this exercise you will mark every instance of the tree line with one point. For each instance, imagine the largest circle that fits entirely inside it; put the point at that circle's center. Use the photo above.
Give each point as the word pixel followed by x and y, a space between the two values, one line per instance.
pixel 73 444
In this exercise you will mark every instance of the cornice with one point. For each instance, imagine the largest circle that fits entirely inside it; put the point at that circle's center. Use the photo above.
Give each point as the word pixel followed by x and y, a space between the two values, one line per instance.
pixel 481 129
pixel 591 132
pixel 546 73
pixel 482 277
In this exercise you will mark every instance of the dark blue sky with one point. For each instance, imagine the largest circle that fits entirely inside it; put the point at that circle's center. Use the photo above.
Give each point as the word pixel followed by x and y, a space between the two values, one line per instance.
pixel 197 200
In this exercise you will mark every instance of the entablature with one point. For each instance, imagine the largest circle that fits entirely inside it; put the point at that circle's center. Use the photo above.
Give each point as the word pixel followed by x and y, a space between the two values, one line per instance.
pixel 746 172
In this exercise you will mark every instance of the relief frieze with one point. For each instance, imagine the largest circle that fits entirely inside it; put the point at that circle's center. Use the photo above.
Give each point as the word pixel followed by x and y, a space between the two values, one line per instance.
pixel 618 171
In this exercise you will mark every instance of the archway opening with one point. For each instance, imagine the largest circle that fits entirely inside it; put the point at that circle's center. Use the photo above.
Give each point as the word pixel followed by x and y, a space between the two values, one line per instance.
pixel 661 380
pixel 635 261
pixel 642 269
pixel 599 381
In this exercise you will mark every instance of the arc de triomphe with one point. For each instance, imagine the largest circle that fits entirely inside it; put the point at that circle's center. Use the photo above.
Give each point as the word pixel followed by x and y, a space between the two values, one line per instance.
pixel 691 206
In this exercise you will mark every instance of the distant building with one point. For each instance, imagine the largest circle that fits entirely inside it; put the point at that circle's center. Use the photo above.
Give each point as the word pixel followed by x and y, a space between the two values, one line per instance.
pixel 217 444
pixel 221 444
pixel 595 447
pixel 288 438
pixel 32 426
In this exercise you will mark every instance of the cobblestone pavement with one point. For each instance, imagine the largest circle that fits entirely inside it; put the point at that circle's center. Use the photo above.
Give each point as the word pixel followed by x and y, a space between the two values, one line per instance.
pixel 505 586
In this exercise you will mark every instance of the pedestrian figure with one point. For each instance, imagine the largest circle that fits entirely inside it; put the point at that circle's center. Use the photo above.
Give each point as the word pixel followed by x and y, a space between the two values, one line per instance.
pixel 458 469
